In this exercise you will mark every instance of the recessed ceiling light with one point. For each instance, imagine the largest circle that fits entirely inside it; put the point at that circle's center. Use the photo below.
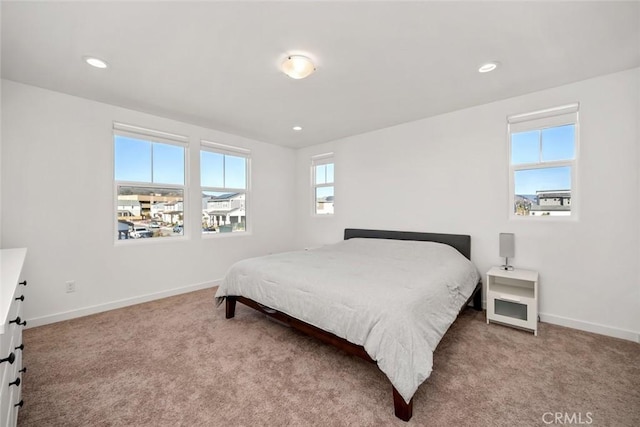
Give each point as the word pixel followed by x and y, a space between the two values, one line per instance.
pixel 489 66
pixel 298 66
pixel 95 62
pixel 297 128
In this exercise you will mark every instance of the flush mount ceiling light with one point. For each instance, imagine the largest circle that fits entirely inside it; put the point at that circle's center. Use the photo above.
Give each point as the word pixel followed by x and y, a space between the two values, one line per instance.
pixel 298 66
pixel 95 62
pixel 297 128
pixel 489 66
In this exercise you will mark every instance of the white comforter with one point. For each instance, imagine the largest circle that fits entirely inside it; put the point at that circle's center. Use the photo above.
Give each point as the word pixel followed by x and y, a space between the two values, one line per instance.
pixel 395 298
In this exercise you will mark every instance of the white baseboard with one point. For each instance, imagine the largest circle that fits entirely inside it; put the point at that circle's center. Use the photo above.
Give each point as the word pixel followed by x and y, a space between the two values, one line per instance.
pixel 591 327
pixel 72 314
pixel 548 318
pixel 581 325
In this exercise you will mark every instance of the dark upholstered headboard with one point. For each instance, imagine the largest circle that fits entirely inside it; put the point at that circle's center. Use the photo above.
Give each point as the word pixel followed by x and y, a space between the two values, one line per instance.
pixel 461 242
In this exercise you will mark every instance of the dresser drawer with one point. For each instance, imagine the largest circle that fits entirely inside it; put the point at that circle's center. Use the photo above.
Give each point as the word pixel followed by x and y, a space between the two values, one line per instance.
pixel 10 417
pixel 8 393
pixel 12 324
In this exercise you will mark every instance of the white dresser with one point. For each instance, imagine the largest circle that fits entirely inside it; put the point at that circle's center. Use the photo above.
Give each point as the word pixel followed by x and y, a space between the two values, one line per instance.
pixel 11 324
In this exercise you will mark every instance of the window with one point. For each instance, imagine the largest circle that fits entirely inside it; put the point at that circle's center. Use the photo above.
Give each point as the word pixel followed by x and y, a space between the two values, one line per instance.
pixel 543 149
pixel 323 184
pixel 149 176
pixel 224 178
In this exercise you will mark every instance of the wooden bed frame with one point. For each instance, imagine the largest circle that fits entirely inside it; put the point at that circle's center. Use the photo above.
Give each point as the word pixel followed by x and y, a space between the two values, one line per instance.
pixel 462 243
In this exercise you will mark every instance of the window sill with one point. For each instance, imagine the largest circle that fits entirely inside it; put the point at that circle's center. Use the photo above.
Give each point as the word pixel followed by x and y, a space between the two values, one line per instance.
pixel 225 235
pixel 149 241
pixel 544 218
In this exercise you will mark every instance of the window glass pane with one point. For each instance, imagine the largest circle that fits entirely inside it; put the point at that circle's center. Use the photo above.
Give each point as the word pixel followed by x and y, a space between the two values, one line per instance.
pixel 329 173
pixel 211 169
pixel 168 164
pixel 324 200
pixel 544 191
pixel 321 174
pixel 145 212
pixel 223 212
pixel 558 143
pixel 525 147
pixel 235 172
pixel 132 159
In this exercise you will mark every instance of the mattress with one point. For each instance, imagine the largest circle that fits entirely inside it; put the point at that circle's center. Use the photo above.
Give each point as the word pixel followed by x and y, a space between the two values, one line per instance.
pixel 395 298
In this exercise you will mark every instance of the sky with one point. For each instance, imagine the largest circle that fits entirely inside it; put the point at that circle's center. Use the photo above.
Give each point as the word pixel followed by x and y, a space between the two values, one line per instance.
pixel 531 180
pixel 222 170
pixel 142 161
pixel 324 175
pixel 537 147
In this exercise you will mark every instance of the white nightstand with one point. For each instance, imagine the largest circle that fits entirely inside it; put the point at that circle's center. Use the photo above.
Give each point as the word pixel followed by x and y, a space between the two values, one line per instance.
pixel 512 298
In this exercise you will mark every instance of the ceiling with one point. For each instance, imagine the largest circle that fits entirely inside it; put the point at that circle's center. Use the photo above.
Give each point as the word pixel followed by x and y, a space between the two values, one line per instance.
pixel 216 64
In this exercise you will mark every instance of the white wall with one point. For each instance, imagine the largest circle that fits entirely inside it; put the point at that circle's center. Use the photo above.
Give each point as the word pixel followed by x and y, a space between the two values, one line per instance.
pixel 57 153
pixel 444 174
pixel 0 128
pixel 450 174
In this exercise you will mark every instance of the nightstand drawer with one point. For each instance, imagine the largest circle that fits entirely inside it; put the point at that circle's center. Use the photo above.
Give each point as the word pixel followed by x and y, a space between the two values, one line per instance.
pixel 520 313
pixel 512 298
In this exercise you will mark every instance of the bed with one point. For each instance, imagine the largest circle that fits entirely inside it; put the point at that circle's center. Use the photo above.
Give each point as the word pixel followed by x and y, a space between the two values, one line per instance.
pixel 385 296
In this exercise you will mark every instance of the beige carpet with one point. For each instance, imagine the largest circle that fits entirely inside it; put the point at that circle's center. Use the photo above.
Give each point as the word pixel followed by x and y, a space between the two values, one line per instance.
pixel 179 362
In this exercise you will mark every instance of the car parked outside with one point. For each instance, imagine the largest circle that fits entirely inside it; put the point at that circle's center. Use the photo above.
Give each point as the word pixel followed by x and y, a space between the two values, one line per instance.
pixel 141 233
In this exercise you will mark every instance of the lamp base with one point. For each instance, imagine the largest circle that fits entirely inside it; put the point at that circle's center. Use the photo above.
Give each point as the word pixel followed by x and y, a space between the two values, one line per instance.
pixel 506 266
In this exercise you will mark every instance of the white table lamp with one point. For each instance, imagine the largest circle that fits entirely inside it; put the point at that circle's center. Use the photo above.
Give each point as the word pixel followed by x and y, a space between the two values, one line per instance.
pixel 507 249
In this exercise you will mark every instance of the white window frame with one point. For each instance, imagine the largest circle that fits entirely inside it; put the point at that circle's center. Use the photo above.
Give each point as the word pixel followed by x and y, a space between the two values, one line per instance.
pixel 540 120
pixel 152 136
pixel 318 160
pixel 234 151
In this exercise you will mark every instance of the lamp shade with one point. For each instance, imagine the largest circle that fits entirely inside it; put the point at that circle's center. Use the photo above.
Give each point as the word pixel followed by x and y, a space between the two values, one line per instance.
pixel 298 66
pixel 507 245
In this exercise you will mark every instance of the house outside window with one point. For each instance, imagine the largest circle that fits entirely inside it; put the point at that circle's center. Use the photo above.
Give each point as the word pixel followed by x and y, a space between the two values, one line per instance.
pixel 543 161
pixel 323 185
pixel 149 181
pixel 224 180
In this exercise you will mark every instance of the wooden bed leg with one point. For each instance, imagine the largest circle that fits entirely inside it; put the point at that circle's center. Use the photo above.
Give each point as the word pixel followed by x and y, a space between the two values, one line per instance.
pixel 230 307
pixel 477 299
pixel 404 410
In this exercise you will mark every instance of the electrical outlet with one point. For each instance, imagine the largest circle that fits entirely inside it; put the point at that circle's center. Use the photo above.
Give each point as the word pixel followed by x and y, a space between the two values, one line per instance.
pixel 71 286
